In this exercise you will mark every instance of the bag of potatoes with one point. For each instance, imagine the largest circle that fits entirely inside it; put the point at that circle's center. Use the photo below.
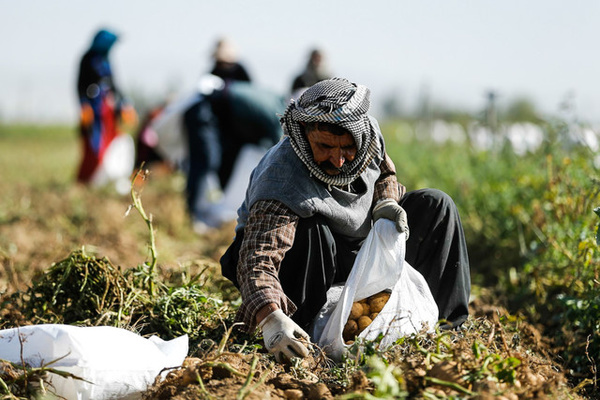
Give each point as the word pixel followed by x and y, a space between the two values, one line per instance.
pixel 362 314
pixel 383 295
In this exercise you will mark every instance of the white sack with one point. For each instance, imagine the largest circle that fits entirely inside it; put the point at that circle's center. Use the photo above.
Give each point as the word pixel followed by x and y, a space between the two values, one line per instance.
pixel 379 266
pixel 117 164
pixel 120 363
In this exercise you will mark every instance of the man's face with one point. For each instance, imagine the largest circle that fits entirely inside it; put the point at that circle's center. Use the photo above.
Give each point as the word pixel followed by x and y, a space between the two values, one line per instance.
pixel 331 151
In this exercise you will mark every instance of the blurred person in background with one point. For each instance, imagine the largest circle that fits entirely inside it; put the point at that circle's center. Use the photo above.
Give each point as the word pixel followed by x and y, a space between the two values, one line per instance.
pixel 227 67
pixel 315 71
pixel 103 108
pixel 204 135
pixel 226 63
pixel 311 202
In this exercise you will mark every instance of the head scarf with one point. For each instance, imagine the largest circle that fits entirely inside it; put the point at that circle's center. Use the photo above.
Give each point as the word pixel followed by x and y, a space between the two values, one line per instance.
pixel 103 41
pixel 225 51
pixel 340 102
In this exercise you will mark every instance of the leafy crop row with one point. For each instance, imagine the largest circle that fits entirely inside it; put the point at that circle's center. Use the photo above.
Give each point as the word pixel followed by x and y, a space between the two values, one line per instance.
pixel 531 231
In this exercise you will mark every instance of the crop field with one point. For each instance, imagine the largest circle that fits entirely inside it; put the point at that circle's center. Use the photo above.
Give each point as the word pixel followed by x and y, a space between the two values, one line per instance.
pixel 533 332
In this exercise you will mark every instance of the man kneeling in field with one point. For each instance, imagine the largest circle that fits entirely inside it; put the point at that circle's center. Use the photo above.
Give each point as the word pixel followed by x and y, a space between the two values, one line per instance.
pixel 309 205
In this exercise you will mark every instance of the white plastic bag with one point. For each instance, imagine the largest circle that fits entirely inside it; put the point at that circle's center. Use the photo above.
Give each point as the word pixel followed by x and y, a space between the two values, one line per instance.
pixel 117 164
pixel 379 266
pixel 121 364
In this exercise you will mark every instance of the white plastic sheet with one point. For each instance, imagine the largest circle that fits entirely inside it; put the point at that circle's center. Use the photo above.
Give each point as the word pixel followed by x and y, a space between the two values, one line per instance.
pixel 120 363
pixel 379 266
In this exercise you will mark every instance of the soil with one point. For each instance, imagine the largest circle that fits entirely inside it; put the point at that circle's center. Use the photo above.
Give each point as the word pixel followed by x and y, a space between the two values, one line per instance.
pixel 538 376
pixel 43 226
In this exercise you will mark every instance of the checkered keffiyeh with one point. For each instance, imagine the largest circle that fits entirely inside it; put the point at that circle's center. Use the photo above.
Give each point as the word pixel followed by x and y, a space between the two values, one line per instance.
pixel 340 102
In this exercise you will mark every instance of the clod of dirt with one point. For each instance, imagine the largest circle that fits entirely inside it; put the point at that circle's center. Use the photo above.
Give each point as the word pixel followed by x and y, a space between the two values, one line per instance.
pixel 193 371
pixel 189 376
pixel 446 371
pixel 294 388
pixel 293 394
pixel 285 381
pixel 320 391
pixel 359 382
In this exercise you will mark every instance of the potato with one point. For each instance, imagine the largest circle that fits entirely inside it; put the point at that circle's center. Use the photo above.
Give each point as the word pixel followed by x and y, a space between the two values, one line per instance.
pixel 350 330
pixel 377 304
pixel 357 311
pixel 373 315
pixel 366 309
pixel 363 322
pixel 385 295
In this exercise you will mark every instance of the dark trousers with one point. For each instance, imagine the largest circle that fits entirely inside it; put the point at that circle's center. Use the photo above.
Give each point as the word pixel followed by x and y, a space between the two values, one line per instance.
pixel 204 154
pixel 436 247
pixel 319 258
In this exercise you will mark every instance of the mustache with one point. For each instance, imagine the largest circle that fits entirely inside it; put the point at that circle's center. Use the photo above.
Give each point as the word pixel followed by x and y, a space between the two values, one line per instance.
pixel 327 165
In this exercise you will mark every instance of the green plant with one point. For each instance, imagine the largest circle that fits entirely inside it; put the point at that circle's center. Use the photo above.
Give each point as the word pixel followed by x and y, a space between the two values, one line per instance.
pixel 528 228
pixel 80 289
pixel 387 379
pixel 492 366
pixel 182 310
pixel 597 211
pixel 561 281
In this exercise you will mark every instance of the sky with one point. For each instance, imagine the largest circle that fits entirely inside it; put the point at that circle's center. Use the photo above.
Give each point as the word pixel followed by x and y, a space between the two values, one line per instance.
pixel 451 51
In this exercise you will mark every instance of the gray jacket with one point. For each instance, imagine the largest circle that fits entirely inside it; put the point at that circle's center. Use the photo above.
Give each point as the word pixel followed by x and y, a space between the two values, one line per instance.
pixel 282 176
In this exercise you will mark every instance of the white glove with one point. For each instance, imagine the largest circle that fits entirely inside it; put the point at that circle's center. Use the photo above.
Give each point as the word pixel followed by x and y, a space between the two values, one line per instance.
pixel 389 209
pixel 283 337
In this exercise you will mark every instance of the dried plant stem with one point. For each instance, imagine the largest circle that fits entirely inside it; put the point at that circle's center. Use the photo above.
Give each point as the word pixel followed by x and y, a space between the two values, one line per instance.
pixel 202 387
pixel 245 390
pixel 137 204
pixel 593 367
pixel 223 365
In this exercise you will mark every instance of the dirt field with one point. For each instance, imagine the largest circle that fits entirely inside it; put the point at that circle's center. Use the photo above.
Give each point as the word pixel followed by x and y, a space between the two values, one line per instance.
pixel 44 217
pixel 41 225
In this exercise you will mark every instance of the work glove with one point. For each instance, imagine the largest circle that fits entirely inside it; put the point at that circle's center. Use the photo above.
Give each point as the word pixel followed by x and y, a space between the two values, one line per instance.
pixel 283 337
pixel 389 209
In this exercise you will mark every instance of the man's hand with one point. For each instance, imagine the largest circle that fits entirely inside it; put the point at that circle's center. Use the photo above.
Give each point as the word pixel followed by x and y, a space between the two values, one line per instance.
pixel 283 337
pixel 389 209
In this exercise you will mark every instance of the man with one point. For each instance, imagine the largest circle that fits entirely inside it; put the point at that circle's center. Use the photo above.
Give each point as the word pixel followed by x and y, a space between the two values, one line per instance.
pixel 309 205
pixel 315 71
pixel 205 133
pixel 226 63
